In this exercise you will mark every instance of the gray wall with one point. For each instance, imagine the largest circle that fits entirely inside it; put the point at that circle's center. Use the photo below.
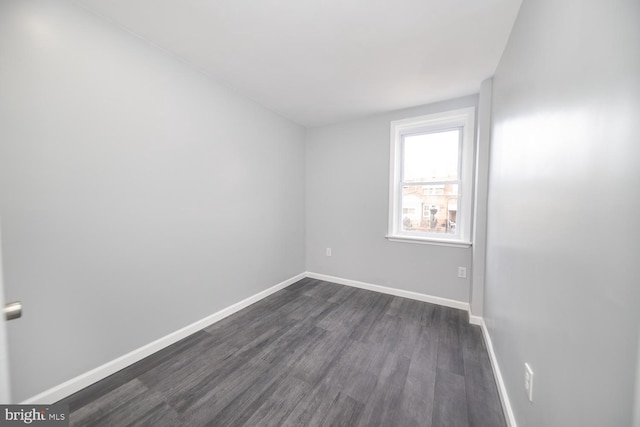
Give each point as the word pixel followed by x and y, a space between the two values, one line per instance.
pixel 136 195
pixel 348 204
pixel 564 239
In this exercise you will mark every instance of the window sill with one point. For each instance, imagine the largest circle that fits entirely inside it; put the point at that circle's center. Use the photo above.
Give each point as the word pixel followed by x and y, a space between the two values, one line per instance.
pixel 429 241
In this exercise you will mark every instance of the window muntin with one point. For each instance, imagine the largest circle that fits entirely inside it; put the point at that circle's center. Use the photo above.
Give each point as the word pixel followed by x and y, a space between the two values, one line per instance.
pixel 431 177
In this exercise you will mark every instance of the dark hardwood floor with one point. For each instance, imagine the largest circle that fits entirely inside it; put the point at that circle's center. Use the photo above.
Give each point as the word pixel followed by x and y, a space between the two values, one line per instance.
pixel 312 354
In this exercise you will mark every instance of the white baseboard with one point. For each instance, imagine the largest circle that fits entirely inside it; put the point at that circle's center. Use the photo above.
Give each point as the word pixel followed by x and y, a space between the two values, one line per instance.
pixel 76 384
pixel 391 291
pixel 502 389
pixel 475 320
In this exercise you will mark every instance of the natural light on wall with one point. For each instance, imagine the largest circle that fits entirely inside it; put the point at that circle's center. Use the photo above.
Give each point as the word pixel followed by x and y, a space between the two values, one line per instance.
pixel 431 178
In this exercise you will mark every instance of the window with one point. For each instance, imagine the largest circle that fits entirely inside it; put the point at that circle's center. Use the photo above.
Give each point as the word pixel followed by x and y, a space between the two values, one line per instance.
pixel 431 182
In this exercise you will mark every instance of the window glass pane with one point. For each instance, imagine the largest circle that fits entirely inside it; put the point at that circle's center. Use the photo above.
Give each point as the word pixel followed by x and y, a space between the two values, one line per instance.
pixel 431 156
pixel 430 208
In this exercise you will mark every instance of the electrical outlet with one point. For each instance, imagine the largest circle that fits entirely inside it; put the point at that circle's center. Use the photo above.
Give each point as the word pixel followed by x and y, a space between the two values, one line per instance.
pixel 462 272
pixel 328 251
pixel 528 381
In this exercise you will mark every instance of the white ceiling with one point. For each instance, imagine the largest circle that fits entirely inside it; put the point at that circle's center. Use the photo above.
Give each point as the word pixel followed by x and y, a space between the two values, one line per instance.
pixel 317 62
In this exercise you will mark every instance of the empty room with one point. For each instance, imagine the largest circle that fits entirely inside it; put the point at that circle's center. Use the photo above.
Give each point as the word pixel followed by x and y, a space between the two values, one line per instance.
pixel 320 213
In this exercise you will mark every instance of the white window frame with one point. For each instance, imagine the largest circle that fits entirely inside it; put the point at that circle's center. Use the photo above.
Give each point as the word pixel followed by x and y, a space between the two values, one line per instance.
pixel 463 118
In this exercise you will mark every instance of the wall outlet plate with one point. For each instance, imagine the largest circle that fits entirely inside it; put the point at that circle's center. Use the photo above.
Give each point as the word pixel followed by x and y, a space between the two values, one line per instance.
pixel 528 381
pixel 462 272
pixel 328 251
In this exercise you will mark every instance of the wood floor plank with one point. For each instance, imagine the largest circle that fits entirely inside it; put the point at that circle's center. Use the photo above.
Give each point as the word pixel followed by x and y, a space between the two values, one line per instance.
pixel 326 405
pixel 231 398
pixel 97 390
pixel 235 400
pixel 282 399
pixel 449 345
pixel 343 319
pixel 351 380
pixel 108 403
pixel 215 372
pixel 450 402
pixel 319 357
pixel 373 312
pixel 342 294
pixel 364 356
pixel 430 315
pixel 343 411
pixel 130 404
pixel 241 333
pixel 300 285
pixel 383 405
pixel 307 307
pixel 412 335
pixel 191 373
pixel 425 348
pixel 418 395
pixel 312 354
pixel 410 310
pixel 322 290
pixel 483 401
pixel 274 301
